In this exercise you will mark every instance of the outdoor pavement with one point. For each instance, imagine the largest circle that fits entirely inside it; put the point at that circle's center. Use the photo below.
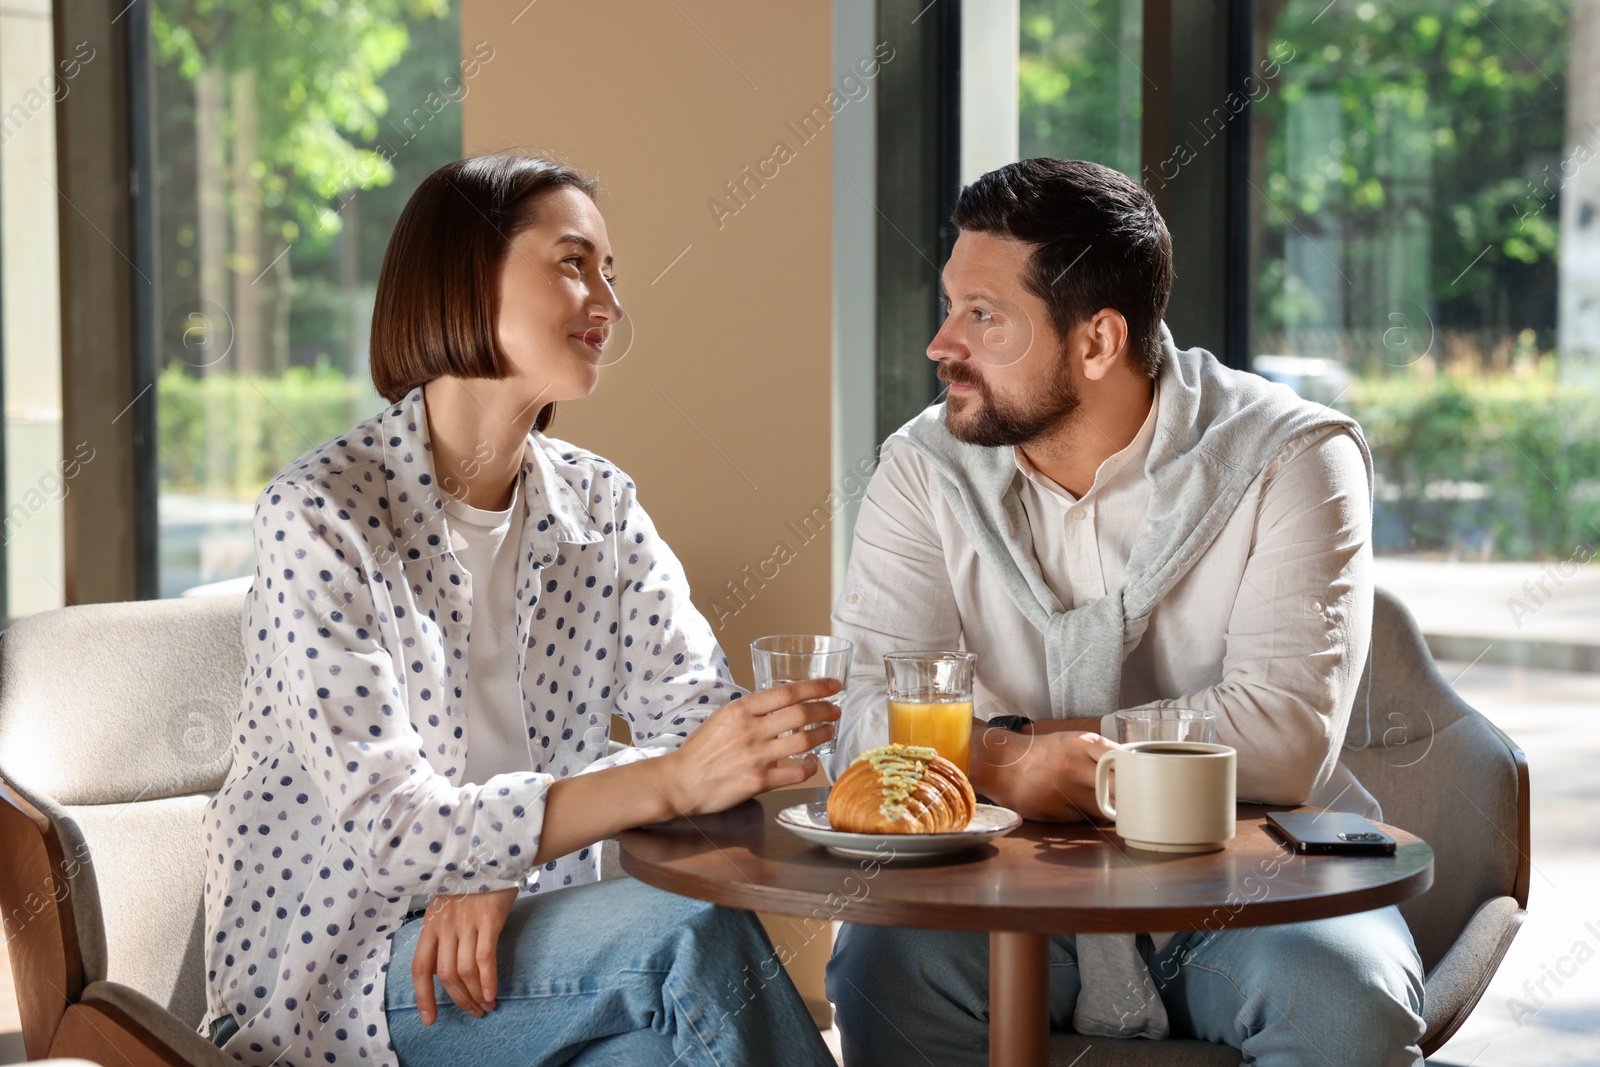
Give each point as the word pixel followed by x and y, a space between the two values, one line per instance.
pixel 1513 614
pixel 1555 717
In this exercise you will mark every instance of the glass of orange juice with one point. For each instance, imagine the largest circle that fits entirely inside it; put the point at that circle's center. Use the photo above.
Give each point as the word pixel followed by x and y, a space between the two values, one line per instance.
pixel 930 701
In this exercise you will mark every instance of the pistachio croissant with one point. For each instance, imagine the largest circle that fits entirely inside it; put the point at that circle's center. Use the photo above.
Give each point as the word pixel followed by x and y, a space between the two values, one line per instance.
pixel 901 789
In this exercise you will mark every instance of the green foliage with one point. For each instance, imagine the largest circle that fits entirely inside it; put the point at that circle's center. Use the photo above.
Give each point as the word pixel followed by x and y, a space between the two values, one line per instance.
pixel 1464 456
pixel 352 96
pixel 1078 75
pixel 258 423
pixel 318 65
pixel 1409 135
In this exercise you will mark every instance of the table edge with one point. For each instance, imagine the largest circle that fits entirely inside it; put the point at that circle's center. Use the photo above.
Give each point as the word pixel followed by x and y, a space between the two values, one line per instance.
pixel 812 905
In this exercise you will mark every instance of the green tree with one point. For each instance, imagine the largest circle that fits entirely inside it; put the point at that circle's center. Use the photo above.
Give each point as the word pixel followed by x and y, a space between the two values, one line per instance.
pixel 1080 82
pixel 1404 146
pixel 317 66
pixel 287 102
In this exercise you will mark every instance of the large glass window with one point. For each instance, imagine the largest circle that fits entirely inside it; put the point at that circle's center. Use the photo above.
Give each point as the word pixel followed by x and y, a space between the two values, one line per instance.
pixel 1079 80
pixel 288 137
pixel 1425 258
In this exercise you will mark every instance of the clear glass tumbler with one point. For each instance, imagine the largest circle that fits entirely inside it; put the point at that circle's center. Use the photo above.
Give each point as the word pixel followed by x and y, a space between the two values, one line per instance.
pixel 783 658
pixel 1166 724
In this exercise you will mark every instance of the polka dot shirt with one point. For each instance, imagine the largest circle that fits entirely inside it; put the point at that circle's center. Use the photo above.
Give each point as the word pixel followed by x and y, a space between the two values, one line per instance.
pixel 346 794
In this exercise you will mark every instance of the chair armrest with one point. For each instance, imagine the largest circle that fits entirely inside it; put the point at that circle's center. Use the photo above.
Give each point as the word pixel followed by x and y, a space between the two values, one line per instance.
pixel 116 1024
pixel 40 931
pixel 1457 982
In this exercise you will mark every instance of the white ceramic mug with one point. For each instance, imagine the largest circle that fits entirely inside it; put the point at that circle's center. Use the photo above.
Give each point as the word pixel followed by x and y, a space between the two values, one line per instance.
pixel 1172 796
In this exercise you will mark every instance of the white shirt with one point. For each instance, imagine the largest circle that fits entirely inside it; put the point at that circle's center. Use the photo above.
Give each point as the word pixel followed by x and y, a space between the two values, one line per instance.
pixel 485 543
pixel 349 791
pixel 1269 629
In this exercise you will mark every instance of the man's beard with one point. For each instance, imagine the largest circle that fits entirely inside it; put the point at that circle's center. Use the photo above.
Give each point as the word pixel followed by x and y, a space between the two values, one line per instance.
pixel 991 424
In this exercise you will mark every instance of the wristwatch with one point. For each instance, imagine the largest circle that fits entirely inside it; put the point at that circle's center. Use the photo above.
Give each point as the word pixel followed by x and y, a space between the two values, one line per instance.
pixel 1014 723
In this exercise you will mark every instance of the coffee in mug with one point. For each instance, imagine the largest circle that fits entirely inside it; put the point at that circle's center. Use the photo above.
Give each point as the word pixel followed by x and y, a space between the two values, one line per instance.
pixel 1171 796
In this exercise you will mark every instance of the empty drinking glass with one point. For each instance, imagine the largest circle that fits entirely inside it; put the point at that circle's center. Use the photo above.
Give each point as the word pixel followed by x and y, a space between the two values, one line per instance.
pixel 1166 724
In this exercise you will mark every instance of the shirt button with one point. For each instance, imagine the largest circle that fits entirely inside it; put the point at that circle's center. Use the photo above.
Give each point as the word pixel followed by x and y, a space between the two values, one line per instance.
pixel 853 598
pixel 1078 514
pixel 1089 600
pixel 1313 606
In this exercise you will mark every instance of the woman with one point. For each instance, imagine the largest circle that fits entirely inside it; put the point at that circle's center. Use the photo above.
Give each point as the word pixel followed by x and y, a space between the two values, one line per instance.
pixel 448 607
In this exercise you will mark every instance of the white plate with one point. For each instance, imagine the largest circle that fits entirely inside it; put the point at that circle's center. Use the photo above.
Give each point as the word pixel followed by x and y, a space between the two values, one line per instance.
pixel 810 821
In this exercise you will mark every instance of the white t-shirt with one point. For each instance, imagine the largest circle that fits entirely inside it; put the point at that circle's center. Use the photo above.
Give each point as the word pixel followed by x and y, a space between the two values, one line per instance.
pixel 486 543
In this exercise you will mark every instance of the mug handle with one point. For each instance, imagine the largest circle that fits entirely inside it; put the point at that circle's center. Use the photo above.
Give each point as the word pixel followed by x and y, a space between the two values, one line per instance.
pixel 1102 783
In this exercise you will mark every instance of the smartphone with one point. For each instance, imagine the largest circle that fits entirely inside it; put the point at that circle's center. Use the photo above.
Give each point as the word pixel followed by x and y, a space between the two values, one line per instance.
pixel 1330 832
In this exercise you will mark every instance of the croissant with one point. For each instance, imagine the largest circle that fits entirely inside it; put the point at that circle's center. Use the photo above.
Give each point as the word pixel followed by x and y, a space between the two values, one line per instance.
pixel 901 789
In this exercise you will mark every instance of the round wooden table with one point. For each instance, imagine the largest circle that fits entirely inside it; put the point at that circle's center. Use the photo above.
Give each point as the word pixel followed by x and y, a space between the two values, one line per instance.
pixel 1041 879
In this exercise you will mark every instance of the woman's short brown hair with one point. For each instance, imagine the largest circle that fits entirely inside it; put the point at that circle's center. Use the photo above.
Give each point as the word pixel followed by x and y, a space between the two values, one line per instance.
pixel 438 292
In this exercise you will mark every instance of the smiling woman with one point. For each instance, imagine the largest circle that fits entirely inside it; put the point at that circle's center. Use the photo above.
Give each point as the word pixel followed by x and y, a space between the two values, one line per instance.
pixel 461 225
pixel 532 307
pixel 447 610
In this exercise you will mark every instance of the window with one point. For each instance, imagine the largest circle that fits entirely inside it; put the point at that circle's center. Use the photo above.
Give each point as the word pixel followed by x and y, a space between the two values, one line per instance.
pixel 1422 255
pixel 288 139
pixel 1079 84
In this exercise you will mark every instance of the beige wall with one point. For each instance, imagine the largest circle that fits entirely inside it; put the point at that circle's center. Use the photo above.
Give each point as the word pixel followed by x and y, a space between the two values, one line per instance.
pixel 720 409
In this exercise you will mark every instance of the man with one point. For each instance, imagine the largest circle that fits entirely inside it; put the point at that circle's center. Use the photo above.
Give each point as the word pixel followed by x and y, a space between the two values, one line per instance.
pixel 1110 522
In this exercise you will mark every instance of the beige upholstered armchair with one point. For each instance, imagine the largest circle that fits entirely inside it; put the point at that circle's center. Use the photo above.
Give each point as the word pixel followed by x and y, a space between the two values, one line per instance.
pixel 114 727
pixel 1445 773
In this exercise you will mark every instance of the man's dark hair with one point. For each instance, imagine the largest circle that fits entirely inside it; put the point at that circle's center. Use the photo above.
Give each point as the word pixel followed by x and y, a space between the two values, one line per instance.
pixel 1100 243
pixel 439 288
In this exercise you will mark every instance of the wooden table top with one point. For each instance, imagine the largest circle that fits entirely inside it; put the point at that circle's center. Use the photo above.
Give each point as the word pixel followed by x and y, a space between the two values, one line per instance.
pixel 1042 877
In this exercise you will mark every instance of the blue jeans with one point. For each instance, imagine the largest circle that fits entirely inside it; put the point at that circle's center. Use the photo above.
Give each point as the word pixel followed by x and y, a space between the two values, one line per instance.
pixel 614 973
pixel 1329 993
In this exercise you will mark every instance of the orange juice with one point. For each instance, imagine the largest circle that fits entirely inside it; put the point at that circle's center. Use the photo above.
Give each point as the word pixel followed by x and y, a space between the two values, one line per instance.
pixel 942 725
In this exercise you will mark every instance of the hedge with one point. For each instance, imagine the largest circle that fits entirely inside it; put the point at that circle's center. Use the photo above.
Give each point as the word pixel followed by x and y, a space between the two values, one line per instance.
pixel 1505 465
pixel 256 425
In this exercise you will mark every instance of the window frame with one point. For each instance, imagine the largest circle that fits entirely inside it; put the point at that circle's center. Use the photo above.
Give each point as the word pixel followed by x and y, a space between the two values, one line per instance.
pixel 1194 53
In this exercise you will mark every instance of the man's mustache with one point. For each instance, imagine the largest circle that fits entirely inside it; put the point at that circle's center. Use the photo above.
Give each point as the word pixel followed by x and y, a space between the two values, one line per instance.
pixel 954 373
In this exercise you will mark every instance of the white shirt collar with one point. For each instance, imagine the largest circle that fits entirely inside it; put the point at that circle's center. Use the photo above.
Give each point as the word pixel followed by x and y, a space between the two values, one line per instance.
pixel 554 512
pixel 1130 457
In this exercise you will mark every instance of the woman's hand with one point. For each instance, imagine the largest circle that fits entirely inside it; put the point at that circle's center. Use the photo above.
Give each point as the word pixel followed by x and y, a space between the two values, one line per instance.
pixel 737 753
pixel 459 935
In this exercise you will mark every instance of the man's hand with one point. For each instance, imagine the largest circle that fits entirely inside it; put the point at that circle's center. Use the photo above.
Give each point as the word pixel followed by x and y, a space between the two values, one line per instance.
pixel 1043 776
pixel 458 940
